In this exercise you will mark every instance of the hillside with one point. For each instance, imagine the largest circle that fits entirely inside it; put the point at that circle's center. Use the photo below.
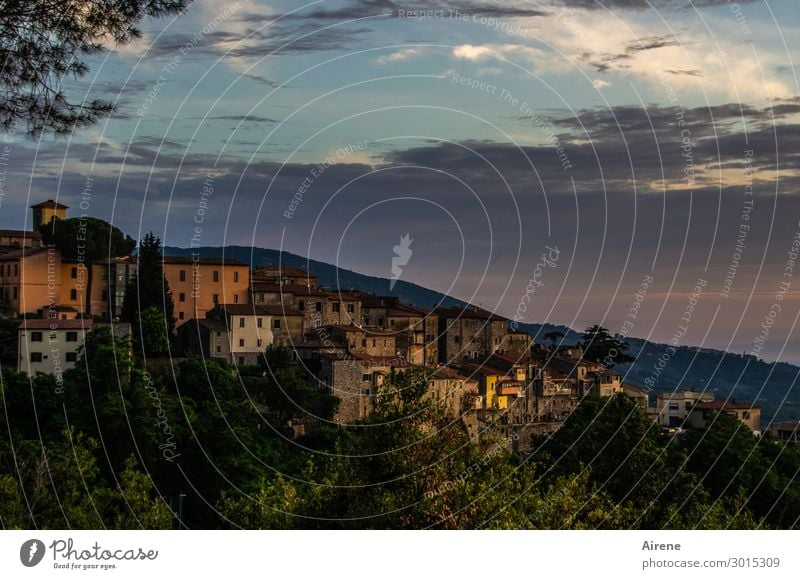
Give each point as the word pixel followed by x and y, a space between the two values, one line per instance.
pixel 725 374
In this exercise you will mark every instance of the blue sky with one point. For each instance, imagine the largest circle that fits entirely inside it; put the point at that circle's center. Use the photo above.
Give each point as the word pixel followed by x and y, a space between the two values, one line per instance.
pixel 445 125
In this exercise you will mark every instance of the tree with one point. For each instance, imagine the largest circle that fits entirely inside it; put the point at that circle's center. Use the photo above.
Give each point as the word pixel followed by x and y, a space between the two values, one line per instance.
pixel 554 337
pixel 42 42
pixel 152 338
pixel 601 347
pixel 89 240
pixel 149 289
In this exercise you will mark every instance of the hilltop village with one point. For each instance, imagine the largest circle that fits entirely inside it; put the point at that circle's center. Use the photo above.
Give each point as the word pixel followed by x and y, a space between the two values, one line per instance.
pixel 348 342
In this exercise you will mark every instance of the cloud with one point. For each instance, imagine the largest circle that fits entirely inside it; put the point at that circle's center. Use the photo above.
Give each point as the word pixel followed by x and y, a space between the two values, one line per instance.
pixel 599 83
pixel 647 4
pixel 398 56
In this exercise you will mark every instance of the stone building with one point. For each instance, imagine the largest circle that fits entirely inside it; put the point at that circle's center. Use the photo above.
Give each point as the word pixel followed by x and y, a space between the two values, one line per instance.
pixel 469 332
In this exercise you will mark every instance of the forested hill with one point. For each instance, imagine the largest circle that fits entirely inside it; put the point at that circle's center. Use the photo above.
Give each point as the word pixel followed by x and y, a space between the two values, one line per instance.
pixel 773 385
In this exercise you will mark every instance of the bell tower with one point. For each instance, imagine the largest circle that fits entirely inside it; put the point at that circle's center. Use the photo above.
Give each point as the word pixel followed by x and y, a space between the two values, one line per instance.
pixel 43 212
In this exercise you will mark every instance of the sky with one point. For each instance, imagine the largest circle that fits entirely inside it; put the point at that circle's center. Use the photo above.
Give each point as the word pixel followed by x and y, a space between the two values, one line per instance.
pixel 650 148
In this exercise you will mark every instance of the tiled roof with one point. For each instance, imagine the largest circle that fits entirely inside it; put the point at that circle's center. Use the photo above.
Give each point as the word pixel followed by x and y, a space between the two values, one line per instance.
pixel 20 233
pixel 50 203
pixel 726 405
pixel 469 313
pixel 51 324
pixel 257 310
pixel 790 427
pixel 189 260
pixel 22 253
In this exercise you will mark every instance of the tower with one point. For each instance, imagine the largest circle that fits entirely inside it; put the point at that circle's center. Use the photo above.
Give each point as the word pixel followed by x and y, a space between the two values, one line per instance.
pixel 43 212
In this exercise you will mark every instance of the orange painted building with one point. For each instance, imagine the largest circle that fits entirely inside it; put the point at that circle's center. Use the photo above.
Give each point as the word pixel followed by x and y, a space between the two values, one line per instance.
pixel 200 283
pixel 30 278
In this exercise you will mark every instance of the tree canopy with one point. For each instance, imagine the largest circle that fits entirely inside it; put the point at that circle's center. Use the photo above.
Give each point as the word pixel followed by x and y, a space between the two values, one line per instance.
pixel 44 42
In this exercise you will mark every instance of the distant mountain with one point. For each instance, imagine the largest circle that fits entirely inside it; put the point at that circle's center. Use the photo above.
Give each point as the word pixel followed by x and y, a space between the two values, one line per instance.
pixel 773 385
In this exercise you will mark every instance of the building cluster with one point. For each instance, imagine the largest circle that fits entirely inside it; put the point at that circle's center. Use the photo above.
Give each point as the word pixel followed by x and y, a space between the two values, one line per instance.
pixel 348 341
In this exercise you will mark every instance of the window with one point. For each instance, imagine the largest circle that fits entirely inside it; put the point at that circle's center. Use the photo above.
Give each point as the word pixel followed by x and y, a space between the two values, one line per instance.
pixel 301 306
pixel 336 306
pixel 16 269
pixel 673 406
pixel 72 357
pixel 318 306
pixel 215 299
pixel 241 322
pixel 36 336
pixel 15 292
pixel 366 377
pixel 72 336
pixel 219 349
pixel 182 275
pixel 235 299
pixel 73 295
pixel 241 342
pixel 374 342
pixel 104 296
pixel 380 322
pixel 219 334
pixel 457 340
pixel 276 324
pixel 259 322
pixel 364 343
pixel 73 273
pixel 351 308
pixel 258 342
pixel 104 274
pixel 36 356
pixel 180 315
pixel 181 297
pixel 746 415
pixel 235 277
pixel 216 275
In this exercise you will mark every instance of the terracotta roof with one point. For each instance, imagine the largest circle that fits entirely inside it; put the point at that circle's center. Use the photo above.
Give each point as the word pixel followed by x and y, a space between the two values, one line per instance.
pixel 256 310
pixel 469 313
pixel 20 233
pixel 367 360
pixel 22 253
pixel 789 427
pixel 726 405
pixel 633 388
pixel 50 203
pixel 51 324
pixel 189 260
pixel 283 271
pixel 445 373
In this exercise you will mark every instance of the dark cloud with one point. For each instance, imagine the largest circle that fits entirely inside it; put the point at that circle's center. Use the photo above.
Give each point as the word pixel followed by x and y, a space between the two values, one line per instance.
pixel 650 43
pixel 646 4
